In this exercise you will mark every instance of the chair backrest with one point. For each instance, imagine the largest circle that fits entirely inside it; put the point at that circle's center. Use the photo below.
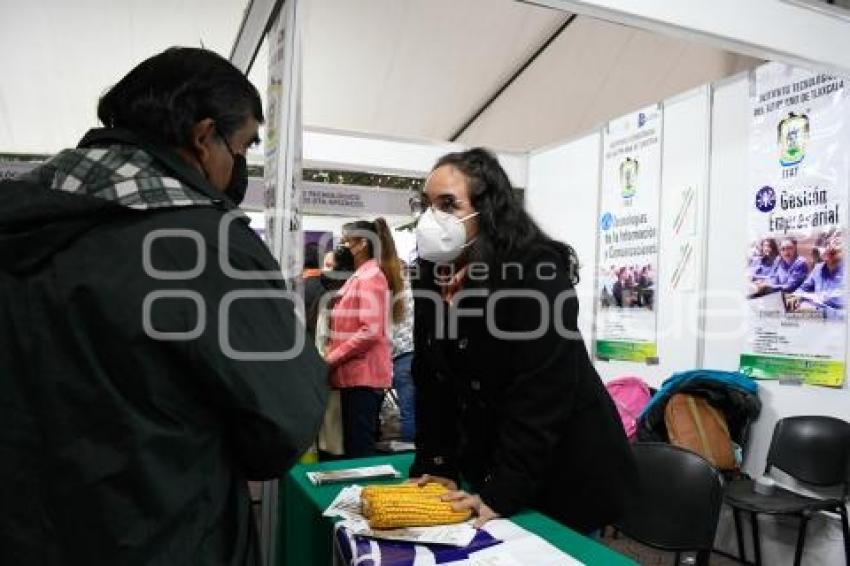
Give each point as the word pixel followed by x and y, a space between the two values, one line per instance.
pixel 678 503
pixel 630 394
pixel 814 449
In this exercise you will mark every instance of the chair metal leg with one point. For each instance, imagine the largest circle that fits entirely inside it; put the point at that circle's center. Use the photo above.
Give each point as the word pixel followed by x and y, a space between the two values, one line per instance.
pixel 754 521
pixel 801 539
pixel 739 535
pixel 846 531
pixel 678 559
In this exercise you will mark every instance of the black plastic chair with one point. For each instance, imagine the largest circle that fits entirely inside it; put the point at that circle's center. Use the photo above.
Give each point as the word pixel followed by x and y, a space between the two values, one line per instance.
pixel 811 449
pixel 678 504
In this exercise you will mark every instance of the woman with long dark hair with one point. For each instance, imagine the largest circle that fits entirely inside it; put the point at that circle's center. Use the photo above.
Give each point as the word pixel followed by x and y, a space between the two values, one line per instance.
pixel 761 266
pixel 359 348
pixel 506 396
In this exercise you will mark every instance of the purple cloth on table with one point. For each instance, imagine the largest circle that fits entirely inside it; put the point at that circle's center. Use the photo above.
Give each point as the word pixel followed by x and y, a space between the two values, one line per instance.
pixel 400 553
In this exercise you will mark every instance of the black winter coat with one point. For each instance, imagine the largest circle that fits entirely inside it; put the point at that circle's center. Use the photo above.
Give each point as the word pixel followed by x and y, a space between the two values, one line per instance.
pixel 117 447
pixel 528 423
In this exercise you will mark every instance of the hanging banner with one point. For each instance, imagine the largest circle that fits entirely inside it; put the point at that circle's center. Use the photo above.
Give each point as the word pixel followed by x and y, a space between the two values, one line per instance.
pixel 628 238
pixel 283 142
pixel 332 199
pixel 348 200
pixel 282 184
pixel 797 212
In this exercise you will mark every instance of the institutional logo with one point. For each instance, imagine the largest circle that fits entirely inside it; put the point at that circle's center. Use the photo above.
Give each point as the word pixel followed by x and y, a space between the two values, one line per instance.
pixel 606 222
pixel 628 179
pixel 766 199
pixel 792 137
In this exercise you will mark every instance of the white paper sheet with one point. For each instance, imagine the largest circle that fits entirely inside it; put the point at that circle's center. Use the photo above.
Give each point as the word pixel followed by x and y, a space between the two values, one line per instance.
pixel 460 534
pixel 346 504
pixel 364 473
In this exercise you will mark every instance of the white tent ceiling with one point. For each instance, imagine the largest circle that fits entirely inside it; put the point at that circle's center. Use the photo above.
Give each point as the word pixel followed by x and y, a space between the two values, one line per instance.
pixel 421 68
pixel 401 68
pixel 58 56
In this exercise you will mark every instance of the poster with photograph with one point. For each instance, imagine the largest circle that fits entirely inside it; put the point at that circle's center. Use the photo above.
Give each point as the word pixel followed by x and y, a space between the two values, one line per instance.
pixel 628 238
pixel 274 101
pixel 794 274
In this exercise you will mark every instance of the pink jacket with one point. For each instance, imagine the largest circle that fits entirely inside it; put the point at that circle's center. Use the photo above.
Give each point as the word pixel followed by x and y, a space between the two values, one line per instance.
pixel 359 347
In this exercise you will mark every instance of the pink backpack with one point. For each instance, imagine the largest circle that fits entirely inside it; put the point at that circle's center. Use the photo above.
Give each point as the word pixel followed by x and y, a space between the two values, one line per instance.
pixel 630 395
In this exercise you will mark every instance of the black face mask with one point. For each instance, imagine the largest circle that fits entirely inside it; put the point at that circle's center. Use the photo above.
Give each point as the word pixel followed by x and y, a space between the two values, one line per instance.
pixel 238 174
pixel 343 259
pixel 238 184
pixel 343 268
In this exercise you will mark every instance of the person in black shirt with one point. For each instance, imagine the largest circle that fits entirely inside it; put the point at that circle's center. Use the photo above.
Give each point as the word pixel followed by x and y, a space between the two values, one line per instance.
pixel 506 396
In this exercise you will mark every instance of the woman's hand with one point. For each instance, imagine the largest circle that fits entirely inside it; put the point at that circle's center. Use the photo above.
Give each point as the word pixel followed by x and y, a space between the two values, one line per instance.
pixel 427 478
pixel 462 501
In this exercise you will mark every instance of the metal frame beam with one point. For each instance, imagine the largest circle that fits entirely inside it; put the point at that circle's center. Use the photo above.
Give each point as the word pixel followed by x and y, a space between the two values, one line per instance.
pixel 779 30
pixel 255 24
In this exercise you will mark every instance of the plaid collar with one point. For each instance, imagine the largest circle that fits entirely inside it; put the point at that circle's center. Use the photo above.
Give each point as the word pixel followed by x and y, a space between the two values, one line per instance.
pixel 117 166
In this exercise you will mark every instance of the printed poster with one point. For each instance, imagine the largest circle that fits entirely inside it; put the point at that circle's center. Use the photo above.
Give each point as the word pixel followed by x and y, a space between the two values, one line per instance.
pixel 628 238
pixel 795 272
pixel 274 101
pixel 283 174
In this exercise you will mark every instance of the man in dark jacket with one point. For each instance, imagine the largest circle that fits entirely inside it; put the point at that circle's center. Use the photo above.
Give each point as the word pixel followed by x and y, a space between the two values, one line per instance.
pixel 144 374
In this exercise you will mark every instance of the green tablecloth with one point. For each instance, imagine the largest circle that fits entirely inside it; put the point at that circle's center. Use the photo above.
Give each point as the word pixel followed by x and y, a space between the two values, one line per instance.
pixel 305 538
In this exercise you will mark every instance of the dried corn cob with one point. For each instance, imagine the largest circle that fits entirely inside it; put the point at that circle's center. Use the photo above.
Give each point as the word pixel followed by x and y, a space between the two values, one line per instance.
pixel 407 487
pixel 408 505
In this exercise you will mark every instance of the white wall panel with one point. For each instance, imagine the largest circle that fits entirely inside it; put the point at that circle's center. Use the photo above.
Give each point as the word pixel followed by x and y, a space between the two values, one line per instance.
pixel 563 187
pixel 563 198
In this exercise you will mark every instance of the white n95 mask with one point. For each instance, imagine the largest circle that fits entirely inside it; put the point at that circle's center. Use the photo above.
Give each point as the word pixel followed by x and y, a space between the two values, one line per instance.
pixel 440 236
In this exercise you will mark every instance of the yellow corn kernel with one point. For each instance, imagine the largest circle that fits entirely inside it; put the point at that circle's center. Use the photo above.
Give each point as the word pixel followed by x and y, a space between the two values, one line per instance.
pixel 380 490
pixel 408 505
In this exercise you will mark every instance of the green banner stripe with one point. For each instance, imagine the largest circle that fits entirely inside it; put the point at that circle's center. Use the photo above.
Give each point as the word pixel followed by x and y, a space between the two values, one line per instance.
pixel 828 373
pixel 626 351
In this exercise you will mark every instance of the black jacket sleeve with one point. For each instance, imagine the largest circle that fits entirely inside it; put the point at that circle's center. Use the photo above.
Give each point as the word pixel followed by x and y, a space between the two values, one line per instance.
pixel 542 389
pixel 253 356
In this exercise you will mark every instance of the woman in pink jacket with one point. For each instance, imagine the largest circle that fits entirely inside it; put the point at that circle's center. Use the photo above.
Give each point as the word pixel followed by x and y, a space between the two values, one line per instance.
pixel 359 349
